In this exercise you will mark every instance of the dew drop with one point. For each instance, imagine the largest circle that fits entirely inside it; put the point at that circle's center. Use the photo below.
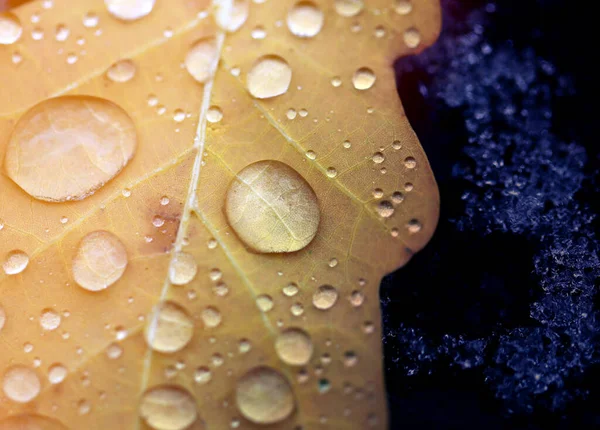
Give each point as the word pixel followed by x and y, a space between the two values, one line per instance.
pixel 164 201
pixel 272 208
pixel 100 261
pixel 202 375
pixel 385 209
pixel 37 34
pixel 412 37
pixel 357 298
pixel 348 8
pixel 211 317
pixel 49 319
pixel 10 28
pixel 183 268
pixel 169 328
pixel 178 115
pixel 200 60
pixel 305 19
pixel 331 172
pixel 290 290
pixel 84 407
pixel 15 262
pixel 297 309
pixel 347 144
pixel 403 7
pixel 378 158
pixel 129 10
pixel 121 71
pixel 325 297
pixel 71 58
pixel 65 148
pixel 378 193
pixel 264 302
pixel 114 351
pixel 336 81
pixel 410 162
pixel 21 384
pixel 168 407
pixel 214 114
pixel 258 33
pixel 294 347
pixel 396 145
pixel 397 197
pixel 311 155
pixel 333 262
pixel 414 226
pixel 291 114
pixel 303 113
pixel 57 373
pixel 363 78
pixel 379 32
pixel 232 19
pixel 264 396
pixel 270 76
pixel 244 346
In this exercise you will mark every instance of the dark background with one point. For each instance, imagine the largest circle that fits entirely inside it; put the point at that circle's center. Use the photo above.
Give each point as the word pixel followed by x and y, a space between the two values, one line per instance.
pixel 494 324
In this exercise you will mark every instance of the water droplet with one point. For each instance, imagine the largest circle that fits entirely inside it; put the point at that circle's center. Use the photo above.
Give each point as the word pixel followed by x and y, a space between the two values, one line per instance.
pixel 350 359
pixel 379 31
pixel 294 347
pixel 324 385
pixel 284 214
pixel 403 7
pixel 363 78
pixel 100 261
pixel 303 113
pixel 179 115
pixel 290 290
pixel 221 289
pixel 37 34
pixel 349 8
pixel 396 145
pixel 258 33
pixel 331 172
pixel 297 309
pixel 305 19
pixel 408 187
pixel 244 346
pixel 357 298
pixel 15 262
pixel 264 303
pixel 397 197
pixel 49 319
pixel 21 384
pixel 90 20
pixel 202 375
pixel 333 262
pixel 412 37
pixel 385 209
pixel 336 81
pixel 378 193
pixel 311 155
pixel 325 297
pixel 71 58
pixel 114 351
pixel 347 144
pixel 201 59
pixel 129 10
pixel 10 28
pixel 214 114
pixel 183 268
pixel 378 158
pixel 270 76
pixel 17 58
pixel 89 138
pixel 211 317
pixel 168 407
pixel 414 226
pixel 217 360
pixel 121 71
pixel 84 407
pixel 164 201
pixel 410 163
pixel 57 373
pixel 291 114
pixel 232 19
pixel 264 396
pixel 169 328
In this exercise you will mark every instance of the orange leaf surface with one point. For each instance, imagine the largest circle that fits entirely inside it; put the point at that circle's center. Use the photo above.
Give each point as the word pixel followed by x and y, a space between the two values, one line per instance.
pixel 197 204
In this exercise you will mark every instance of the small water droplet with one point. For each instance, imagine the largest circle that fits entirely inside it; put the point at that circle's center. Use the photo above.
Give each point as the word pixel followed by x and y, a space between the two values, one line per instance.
pixel 378 158
pixel 270 76
pixel 57 373
pixel 385 209
pixel 305 19
pixel 121 71
pixel 414 226
pixel 336 81
pixel 357 298
pixel 379 32
pixel 214 114
pixel 244 346
pixel 348 8
pixel 71 58
pixel 200 60
pixel 211 317
pixel 410 163
pixel 129 10
pixel 179 115
pixel 303 113
pixel 258 32
pixel 21 384
pixel 49 319
pixel 412 37
pixel 169 328
pixel 378 193
pixel 297 309
pixel 363 78
pixel 333 262
pixel 311 155
pixel 403 7
pixel 84 407
pixel 15 262
pixel 10 28
pixel 264 303
pixel 291 114
pixel 202 375
pixel 168 407
pixel 114 351
pixel 17 58
pixel 294 347
pixel 325 297
pixel 331 172
pixel 397 197
pixel 290 290
pixel 37 34
pixel 90 20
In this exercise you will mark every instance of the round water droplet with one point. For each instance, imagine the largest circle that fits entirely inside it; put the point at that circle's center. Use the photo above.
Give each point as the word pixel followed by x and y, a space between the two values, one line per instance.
pixel 179 115
pixel 67 147
pixel 412 37
pixel 114 351
pixel 291 114
pixel 349 8
pixel 272 208
pixel 290 290
pixel 244 346
pixel 57 373
pixel 414 226
pixel 385 209
pixel 168 407
pixel 232 19
pixel 258 33
pixel 410 162
pixel 264 303
pixel 201 59
pixel 336 81
pixel 169 328
pixel 49 319
pixel 202 375
pixel 331 172
pixel 294 347
pixel 15 262
pixel 183 268
pixel 305 19
pixel 297 309
pixel 100 261
pixel 129 10
pixel 10 28
pixel 121 71
pixel 21 384
pixel 90 20
pixel 211 317
pixel 403 7
pixel 62 32
pixel 325 297
pixel 363 78
pixel 378 158
pixel 397 197
pixel 270 76
pixel 214 114
pixel 357 298
pixel 264 396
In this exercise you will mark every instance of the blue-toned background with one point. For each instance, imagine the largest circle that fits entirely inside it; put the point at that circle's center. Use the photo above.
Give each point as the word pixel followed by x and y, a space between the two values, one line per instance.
pixel 495 323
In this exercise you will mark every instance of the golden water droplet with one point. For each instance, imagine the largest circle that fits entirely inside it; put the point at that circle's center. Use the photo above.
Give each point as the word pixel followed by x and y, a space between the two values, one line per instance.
pixel 311 155
pixel 10 28
pixel 378 158
pixel 348 8
pixel 90 20
pixel 291 114
pixel 202 375
pixel 49 319
pixel 264 303
pixel 403 7
pixel 414 226
pixel 84 407
pixel 183 268
pixel 121 71
pixel 290 290
pixel 270 76
pixel 396 145
pixel 385 209
pixel 244 346
pixel 67 147
pixel 336 81
pixel 294 347
pixel 215 274
pixel 297 309
pixel 201 59
pixel 129 10
pixel 21 384
pixel 410 162
pixel 325 297
pixel 231 19
pixel 214 114
pixel 114 351
pixel 331 172
pixel 363 78
pixel 378 193
pixel 333 262
pixel 272 208
pixel 62 33
pixel 57 373
pixel 305 19
pixel 379 32
pixel 100 261
pixel 357 298
pixel 264 396
pixel 211 317
pixel 168 407
pixel 412 37
pixel 15 262
pixel 169 328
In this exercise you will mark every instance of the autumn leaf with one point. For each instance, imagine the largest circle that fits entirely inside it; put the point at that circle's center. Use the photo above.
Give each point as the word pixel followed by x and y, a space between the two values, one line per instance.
pixel 197 204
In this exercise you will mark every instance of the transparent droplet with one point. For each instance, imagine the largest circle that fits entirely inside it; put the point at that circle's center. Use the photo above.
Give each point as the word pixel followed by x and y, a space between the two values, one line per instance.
pixel 378 158
pixel 378 193
pixel 15 262
pixel 164 201
pixel 270 76
pixel 410 162
pixel 385 209
pixel 90 20
pixel 290 290
pixel 294 347
pixel 285 211
pixel 202 375
pixel 178 115
pixel 325 297
pixel 305 19
pixel 201 59
pixel 71 58
pixel 291 114
pixel 363 78
pixel 331 172
pixel 414 226
pixel 264 303
pixel 244 346
pixel 100 261
pixel 211 317
pixel 183 268
pixel 379 32
pixel 84 407
pixel 10 28
pixel 37 34
pixel 297 309
pixel 303 113
pixel 311 155
pixel 214 114
pixel 168 407
pixel 2 318
pixel 336 81
pixel 333 262
pixel 217 360
pixel 258 33
pixel 347 144
pixel 264 396
pixel 412 37
pixel 129 10
pixel 169 328
pixel 49 319
pixel 21 384
pixel 16 58
pixel 114 351
pixel 57 373
pixel 357 298
pixel 121 71
pixel 397 197
pixel 403 7
pixel 396 145
pixel 348 8
pixel 232 18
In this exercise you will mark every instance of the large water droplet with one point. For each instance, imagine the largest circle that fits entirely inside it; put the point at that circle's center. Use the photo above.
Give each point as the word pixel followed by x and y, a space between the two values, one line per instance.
pixel 183 268
pixel 10 28
pixel 57 373
pixel 412 37
pixel 201 59
pixel 100 261
pixel 294 347
pixel 385 209
pixel 231 19
pixel 272 208
pixel 363 78
pixel 168 407
pixel 169 328
pixel 67 147
pixel 305 19
pixel 349 8
pixel 121 71
pixel 129 10
pixel 264 396
pixel 50 319
pixel 21 384
pixel 325 297
pixel 264 303
pixel 270 76
pixel 15 262
pixel 211 317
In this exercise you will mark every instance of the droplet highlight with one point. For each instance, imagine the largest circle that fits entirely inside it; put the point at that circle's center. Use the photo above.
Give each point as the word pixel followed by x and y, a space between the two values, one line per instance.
pixel 15 262
pixel 201 59
pixel 363 79
pixel 270 76
pixel 305 19
pixel 169 329
pixel 294 347
pixel 168 407
pixel 10 28
pixel 129 10
pixel 21 384
pixel 121 71
pixel 183 268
